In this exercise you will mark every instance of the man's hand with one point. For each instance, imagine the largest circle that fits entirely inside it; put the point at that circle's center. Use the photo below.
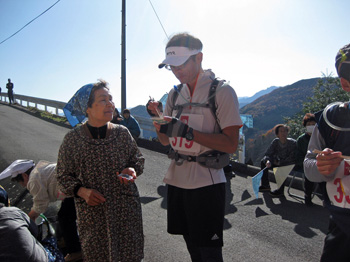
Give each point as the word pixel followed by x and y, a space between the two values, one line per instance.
pixel 175 128
pixel 91 196
pixel 327 161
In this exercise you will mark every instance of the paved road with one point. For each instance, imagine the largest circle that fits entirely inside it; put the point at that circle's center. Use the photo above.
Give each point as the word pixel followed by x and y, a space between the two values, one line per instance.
pixel 256 230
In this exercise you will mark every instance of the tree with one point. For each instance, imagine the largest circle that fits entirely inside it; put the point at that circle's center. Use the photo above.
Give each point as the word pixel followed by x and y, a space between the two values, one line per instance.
pixel 326 91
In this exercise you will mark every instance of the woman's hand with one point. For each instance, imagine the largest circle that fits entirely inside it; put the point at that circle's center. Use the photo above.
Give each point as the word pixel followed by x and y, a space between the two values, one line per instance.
pixel 327 161
pixel 130 171
pixel 33 215
pixel 91 196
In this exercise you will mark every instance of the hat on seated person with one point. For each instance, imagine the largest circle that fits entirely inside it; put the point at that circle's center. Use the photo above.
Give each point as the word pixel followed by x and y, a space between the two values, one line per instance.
pixel 17 167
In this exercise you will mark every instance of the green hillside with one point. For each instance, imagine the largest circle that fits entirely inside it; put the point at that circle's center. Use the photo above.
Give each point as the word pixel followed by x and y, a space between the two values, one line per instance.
pixel 269 110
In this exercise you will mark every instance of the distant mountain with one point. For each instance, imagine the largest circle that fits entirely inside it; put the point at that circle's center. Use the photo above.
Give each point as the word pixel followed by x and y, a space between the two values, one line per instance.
pixel 139 111
pixel 246 100
pixel 270 109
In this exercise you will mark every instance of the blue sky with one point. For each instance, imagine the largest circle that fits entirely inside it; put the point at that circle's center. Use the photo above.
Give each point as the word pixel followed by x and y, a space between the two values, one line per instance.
pixel 253 44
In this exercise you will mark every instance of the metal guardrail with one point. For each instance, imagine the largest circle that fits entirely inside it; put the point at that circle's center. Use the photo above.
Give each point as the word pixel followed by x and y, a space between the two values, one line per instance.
pixel 145 123
pixel 56 105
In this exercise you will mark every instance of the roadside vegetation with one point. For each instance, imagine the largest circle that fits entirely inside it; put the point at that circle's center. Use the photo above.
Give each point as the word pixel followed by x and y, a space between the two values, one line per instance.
pixel 47 115
pixel 328 90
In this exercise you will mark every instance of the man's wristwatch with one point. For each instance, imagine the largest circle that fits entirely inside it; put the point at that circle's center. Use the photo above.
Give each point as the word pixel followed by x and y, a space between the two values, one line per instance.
pixel 189 135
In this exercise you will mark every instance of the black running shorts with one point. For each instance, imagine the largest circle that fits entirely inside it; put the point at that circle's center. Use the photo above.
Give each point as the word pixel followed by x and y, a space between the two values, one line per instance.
pixel 198 213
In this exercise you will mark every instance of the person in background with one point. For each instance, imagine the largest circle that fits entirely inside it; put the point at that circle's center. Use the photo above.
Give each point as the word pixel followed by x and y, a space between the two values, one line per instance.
pixel 41 182
pixel 131 123
pixel 196 190
pixel 327 165
pixel 9 87
pixel 97 164
pixel 309 122
pixel 281 152
pixel 116 117
pixel 18 235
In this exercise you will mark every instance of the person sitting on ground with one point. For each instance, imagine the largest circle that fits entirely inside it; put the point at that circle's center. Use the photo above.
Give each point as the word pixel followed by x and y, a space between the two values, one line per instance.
pixel 309 122
pixel 18 234
pixel 281 152
pixel 41 182
pixel 131 123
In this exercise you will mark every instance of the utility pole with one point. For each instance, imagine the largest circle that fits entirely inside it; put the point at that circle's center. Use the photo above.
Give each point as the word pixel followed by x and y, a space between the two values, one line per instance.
pixel 123 73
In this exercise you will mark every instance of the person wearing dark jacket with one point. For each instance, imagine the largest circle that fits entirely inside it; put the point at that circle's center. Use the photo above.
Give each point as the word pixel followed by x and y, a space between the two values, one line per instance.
pixel 9 87
pixel 131 123
pixel 281 152
pixel 18 234
pixel 116 117
pixel 324 162
pixel 309 122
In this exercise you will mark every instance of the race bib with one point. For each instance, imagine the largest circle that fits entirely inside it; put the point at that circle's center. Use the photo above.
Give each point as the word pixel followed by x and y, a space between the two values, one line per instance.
pixel 182 144
pixel 338 189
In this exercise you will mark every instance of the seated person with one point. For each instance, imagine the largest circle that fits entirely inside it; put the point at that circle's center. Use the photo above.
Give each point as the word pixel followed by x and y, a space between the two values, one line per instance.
pixel 131 123
pixel 18 234
pixel 281 152
pixel 41 182
pixel 116 117
pixel 309 122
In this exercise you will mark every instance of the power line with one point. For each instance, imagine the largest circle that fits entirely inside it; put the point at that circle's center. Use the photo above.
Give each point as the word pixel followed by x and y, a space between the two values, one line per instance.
pixel 29 23
pixel 158 19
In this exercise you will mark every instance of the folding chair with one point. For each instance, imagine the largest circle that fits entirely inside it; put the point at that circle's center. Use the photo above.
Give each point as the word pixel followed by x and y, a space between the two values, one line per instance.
pixel 294 174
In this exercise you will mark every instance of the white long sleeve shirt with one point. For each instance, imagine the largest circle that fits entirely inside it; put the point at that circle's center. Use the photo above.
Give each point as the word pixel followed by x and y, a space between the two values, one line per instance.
pixel 42 185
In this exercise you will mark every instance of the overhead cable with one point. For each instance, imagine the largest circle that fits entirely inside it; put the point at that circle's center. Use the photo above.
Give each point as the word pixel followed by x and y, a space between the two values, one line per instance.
pixel 29 23
pixel 158 19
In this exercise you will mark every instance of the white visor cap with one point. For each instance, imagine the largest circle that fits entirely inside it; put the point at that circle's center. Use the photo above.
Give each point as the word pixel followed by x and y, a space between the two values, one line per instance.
pixel 17 167
pixel 177 55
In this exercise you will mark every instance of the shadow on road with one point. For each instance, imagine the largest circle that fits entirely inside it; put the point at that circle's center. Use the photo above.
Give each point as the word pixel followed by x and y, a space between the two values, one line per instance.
pixel 229 208
pixel 305 218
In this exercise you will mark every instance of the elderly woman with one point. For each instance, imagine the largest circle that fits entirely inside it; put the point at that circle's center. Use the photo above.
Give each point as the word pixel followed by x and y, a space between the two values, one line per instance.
pixel 281 152
pixel 97 164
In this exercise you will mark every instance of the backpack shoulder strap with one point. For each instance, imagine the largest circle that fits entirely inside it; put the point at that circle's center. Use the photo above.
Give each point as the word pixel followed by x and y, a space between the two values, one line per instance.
pixel 212 99
pixel 174 98
pixel 212 96
pixel 329 134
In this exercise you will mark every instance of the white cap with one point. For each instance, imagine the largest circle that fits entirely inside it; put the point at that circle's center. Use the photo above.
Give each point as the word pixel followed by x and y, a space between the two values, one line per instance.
pixel 17 167
pixel 177 55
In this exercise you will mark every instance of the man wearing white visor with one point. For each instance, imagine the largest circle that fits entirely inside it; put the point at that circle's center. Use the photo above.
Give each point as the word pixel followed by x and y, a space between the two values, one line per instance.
pixel 202 125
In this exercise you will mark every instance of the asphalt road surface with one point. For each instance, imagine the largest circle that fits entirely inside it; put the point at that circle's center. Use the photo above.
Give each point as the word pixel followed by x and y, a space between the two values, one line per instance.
pixel 263 229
